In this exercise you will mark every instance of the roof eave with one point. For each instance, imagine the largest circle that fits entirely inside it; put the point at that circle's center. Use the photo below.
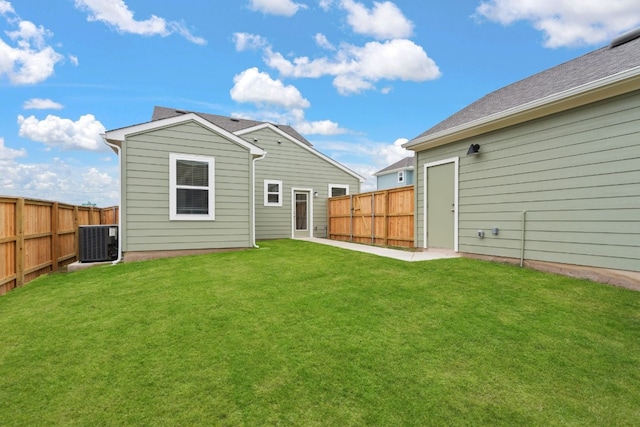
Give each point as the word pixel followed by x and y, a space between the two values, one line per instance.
pixel 608 87
pixel 390 171
pixel 118 136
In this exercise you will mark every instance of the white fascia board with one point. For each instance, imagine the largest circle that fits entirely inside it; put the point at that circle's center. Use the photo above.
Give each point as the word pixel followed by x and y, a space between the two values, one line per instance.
pixel 121 134
pixel 607 87
pixel 301 144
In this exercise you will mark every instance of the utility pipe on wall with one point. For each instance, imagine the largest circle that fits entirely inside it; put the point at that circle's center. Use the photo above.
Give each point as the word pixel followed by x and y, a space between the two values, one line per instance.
pixel 524 218
pixel 253 196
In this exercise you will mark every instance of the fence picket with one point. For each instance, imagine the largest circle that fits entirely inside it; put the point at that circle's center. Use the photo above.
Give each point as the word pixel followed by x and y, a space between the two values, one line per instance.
pixel 384 218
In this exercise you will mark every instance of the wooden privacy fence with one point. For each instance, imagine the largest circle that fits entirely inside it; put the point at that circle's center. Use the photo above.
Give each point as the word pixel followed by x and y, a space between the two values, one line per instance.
pixel 39 237
pixel 382 218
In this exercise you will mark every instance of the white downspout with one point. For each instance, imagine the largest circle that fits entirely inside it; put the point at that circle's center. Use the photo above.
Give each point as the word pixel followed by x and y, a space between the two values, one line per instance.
pixel 253 194
pixel 117 148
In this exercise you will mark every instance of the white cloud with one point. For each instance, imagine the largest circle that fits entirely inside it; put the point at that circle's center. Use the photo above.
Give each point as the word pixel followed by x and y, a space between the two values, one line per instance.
pixel 319 127
pixel 296 118
pixel 5 7
pixel 41 104
pixel 565 23
pixel 323 42
pixel 358 68
pixel 365 157
pixel 31 60
pixel 279 103
pixel 117 14
pixel 181 29
pixel 7 153
pixel 276 7
pixel 59 181
pixel 325 4
pixel 83 134
pixel 384 21
pixel 259 88
pixel 74 60
pixel 394 152
pixel 247 41
pixel 94 179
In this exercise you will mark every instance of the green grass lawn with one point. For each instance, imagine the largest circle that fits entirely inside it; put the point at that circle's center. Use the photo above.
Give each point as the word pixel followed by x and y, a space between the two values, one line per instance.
pixel 297 333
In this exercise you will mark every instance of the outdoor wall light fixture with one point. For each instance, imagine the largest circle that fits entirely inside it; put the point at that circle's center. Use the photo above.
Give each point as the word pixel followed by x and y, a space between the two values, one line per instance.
pixel 473 149
pixel 315 194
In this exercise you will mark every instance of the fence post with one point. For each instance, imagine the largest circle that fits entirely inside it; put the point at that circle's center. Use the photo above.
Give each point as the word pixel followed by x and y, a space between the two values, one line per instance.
pixel 386 218
pixel 19 242
pixel 373 218
pixel 328 217
pixel 76 230
pixel 351 217
pixel 55 237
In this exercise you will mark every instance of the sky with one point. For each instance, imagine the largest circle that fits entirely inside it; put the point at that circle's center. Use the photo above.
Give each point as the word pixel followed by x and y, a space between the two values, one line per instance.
pixel 357 78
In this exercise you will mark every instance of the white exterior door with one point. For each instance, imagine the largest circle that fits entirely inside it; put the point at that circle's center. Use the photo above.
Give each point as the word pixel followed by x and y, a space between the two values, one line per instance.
pixel 302 223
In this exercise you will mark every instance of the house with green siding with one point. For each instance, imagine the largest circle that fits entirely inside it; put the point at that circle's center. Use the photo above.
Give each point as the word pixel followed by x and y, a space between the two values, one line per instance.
pixel 544 172
pixel 194 182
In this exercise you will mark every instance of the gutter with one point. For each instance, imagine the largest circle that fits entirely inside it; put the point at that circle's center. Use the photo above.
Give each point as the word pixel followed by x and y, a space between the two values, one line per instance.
pixel 117 149
pixel 253 195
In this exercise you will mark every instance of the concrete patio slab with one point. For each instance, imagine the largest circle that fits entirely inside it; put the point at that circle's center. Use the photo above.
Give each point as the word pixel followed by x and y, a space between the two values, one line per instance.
pixel 409 256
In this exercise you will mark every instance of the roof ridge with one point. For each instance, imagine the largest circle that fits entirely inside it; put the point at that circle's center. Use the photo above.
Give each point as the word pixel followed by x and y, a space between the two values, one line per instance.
pixel 229 123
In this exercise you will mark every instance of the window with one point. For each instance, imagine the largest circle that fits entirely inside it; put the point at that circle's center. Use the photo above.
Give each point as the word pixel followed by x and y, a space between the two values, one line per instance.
pixel 336 190
pixel 302 212
pixel 192 184
pixel 272 193
pixel 400 176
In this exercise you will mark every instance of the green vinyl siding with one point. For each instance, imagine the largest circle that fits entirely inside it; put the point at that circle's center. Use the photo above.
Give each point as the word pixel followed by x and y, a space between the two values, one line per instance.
pixel 299 168
pixel 576 174
pixel 145 184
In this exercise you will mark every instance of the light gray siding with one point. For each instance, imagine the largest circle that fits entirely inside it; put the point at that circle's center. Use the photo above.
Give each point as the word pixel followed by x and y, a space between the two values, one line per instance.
pixel 391 180
pixel 577 176
pixel 296 167
pixel 145 184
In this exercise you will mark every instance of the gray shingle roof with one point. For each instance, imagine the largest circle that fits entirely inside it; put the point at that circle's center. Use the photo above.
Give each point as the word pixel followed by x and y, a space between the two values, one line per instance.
pixel 595 65
pixel 229 124
pixel 405 163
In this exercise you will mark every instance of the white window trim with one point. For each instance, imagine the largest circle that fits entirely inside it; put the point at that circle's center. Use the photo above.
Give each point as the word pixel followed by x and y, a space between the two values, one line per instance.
pixel 173 199
pixel 332 186
pixel 401 176
pixel 266 194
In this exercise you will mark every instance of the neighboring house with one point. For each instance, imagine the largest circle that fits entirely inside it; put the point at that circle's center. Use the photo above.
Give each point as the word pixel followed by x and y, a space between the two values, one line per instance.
pixel 555 181
pixel 398 174
pixel 200 182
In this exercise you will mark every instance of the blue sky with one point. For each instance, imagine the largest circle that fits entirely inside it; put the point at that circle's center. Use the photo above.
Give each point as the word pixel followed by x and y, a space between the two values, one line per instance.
pixel 356 77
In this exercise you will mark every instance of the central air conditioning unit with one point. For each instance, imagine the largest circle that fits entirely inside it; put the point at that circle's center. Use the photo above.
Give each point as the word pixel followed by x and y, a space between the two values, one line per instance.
pixel 98 243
